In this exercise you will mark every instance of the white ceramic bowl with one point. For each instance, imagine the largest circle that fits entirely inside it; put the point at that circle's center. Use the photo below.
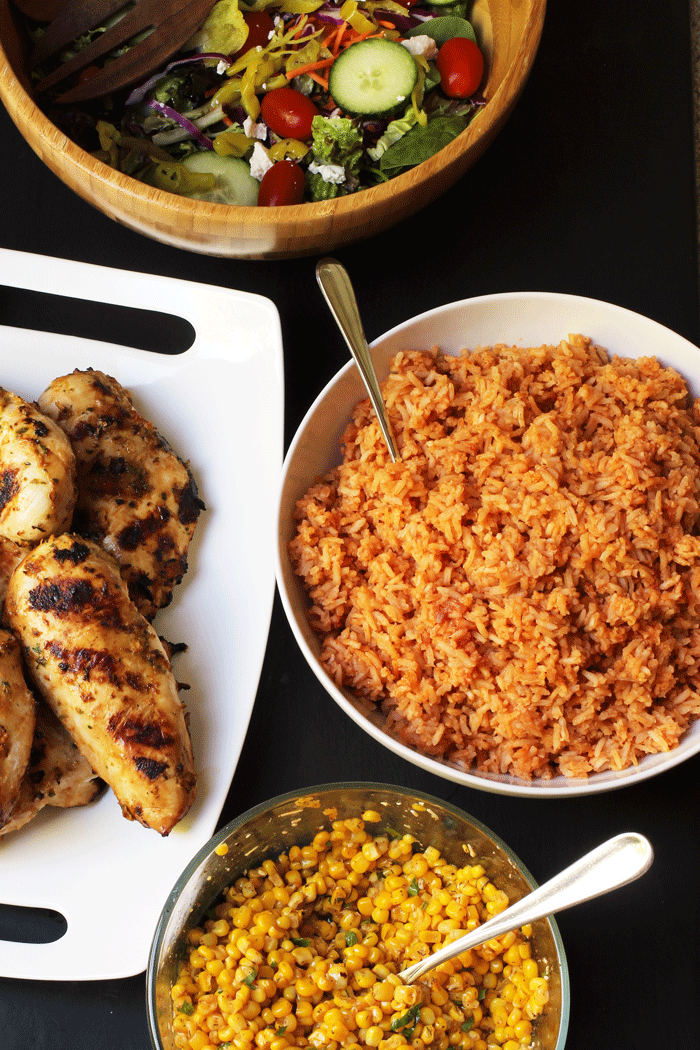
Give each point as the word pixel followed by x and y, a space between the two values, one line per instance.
pixel 287 820
pixel 521 318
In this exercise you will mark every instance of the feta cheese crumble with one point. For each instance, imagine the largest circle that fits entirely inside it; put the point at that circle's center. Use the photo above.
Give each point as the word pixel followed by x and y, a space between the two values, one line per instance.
pixel 253 130
pixel 259 162
pixel 334 173
pixel 422 46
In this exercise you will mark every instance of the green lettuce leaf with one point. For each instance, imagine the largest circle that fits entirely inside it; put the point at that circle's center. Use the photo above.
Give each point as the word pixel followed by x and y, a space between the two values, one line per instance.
pixel 320 190
pixel 420 143
pixel 443 28
pixel 337 140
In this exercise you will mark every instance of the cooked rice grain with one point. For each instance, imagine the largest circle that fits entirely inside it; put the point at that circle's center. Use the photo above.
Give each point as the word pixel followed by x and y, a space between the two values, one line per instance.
pixel 519 594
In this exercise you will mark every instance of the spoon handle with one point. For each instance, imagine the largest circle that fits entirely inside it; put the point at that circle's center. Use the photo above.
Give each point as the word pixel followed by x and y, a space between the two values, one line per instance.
pixel 614 863
pixel 338 292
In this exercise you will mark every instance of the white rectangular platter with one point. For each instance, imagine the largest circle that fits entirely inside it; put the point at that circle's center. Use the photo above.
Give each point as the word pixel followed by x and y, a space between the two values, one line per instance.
pixel 221 406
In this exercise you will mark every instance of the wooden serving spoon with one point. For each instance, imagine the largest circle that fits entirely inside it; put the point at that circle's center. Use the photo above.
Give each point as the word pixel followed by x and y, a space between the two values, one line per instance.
pixel 166 24
pixel 39 10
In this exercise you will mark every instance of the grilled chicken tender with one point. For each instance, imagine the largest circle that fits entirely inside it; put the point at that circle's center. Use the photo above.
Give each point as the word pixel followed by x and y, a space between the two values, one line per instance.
pixel 103 670
pixel 136 497
pixel 17 720
pixel 37 473
pixel 57 774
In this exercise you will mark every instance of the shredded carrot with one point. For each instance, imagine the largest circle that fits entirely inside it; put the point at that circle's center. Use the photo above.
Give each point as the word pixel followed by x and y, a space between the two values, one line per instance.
pixel 387 25
pixel 310 68
pixel 323 81
pixel 227 121
pixel 337 36
pixel 327 40
pixel 357 37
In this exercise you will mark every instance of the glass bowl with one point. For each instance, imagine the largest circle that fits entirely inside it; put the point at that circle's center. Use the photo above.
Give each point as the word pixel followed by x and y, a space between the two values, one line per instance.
pixel 294 818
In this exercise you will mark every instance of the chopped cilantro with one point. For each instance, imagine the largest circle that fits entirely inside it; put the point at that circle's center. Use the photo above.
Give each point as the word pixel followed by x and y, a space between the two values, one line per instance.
pixel 300 942
pixel 409 1018
pixel 350 938
pixel 413 888
pixel 186 1008
pixel 482 994
pixel 468 1024
pixel 250 978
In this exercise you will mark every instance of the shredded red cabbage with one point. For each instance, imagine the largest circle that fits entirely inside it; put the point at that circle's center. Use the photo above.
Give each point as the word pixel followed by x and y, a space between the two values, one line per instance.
pixel 329 17
pixel 139 93
pixel 192 129
pixel 402 22
pixel 329 12
pixel 235 113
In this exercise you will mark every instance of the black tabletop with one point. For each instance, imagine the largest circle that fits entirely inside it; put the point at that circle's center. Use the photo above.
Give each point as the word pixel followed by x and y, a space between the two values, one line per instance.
pixel 589 189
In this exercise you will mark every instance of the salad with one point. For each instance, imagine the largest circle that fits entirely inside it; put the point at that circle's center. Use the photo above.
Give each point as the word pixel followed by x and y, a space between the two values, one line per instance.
pixel 287 101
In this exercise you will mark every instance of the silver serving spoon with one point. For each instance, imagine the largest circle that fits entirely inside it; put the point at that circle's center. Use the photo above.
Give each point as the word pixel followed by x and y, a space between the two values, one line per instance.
pixel 615 863
pixel 337 289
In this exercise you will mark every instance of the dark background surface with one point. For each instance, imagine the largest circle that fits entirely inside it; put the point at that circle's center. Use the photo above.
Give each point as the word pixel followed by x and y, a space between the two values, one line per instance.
pixel 589 189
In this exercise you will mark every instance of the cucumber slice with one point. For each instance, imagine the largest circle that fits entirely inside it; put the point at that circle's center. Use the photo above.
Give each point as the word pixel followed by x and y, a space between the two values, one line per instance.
pixel 234 183
pixel 373 78
pixel 443 28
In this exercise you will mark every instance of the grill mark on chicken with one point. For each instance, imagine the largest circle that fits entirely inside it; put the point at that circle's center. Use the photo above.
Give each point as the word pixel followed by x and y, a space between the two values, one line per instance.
pixel 81 431
pixel 166 544
pixel 134 535
pixel 75 554
pixel 9 487
pixel 150 768
pixel 76 598
pixel 141 590
pixel 119 478
pixel 83 662
pixel 189 505
pixel 68 596
pixel 40 428
pixel 88 528
pixel 137 731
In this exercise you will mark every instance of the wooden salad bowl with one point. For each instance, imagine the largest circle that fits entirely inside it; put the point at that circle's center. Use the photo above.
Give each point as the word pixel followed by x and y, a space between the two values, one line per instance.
pixel 508 32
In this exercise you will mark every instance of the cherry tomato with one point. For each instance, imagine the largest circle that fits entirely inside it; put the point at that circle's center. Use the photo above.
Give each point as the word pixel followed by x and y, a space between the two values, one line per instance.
pixel 87 74
pixel 260 25
pixel 283 183
pixel 288 113
pixel 460 64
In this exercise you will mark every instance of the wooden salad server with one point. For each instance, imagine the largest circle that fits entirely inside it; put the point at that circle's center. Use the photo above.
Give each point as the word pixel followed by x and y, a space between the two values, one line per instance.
pixel 161 28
